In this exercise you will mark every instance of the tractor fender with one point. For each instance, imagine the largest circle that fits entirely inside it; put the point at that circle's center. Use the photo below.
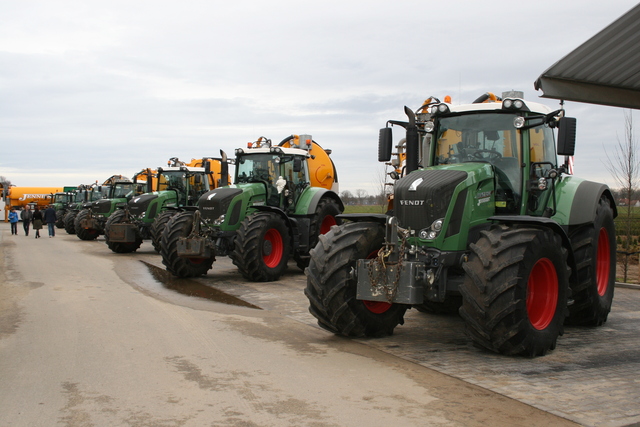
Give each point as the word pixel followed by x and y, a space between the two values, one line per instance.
pixel 542 222
pixel 309 200
pixel 585 202
pixel 577 200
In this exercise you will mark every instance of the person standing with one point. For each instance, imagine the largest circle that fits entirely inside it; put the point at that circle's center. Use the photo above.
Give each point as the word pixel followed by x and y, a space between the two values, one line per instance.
pixel 26 216
pixel 13 219
pixel 49 217
pixel 37 221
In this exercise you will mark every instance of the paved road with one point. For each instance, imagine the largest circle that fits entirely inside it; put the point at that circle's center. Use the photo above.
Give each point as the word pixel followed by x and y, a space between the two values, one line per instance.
pixel 90 338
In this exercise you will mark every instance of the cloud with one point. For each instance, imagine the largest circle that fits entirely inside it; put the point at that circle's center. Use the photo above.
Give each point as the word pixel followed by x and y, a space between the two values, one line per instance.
pixel 92 89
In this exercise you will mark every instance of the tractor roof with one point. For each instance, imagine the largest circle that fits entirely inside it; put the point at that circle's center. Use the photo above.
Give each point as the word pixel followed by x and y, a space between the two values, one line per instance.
pixel 273 150
pixel 497 106
pixel 181 169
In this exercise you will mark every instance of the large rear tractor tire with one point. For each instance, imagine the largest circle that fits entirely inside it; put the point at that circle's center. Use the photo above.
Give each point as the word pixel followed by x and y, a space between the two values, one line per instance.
pixel 321 223
pixel 331 284
pixel 594 247
pixel 69 222
pixel 120 247
pixel 262 247
pixel 85 233
pixel 180 226
pixel 158 226
pixel 515 290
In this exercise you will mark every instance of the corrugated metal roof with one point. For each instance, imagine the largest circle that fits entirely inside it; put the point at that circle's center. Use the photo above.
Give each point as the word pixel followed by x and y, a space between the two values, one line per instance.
pixel 603 70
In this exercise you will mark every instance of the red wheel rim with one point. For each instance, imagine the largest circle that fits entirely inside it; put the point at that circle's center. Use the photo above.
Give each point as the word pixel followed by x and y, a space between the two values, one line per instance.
pixel 603 262
pixel 376 307
pixel 272 248
pixel 542 293
pixel 327 223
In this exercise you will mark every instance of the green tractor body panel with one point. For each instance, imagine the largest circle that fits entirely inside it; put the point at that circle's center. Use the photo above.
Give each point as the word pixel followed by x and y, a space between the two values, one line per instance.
pixel 461 196
pixel 146 207
pixel 577 200
pixel 227 207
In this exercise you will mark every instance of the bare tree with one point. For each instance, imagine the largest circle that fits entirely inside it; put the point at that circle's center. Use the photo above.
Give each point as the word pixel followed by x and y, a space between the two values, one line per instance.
pixel 347 197
pixel 361 194
pixel 624 167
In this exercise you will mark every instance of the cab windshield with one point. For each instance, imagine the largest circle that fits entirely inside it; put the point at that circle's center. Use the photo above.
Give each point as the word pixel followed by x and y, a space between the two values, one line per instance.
pixel 123 190
pixel 172 180
pixel 489 138
pixel 189 186
pixel 257 167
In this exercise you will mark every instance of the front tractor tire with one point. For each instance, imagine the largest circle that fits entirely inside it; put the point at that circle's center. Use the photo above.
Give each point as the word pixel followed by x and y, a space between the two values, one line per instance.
pixel 60 218
pixel 158 226
pixel 180 226
pixel 515 290
pixel 84 233
pixel 332 285
pixel 262 247
pixel 120 247
pixel 322 221
pixel 69 222
pixel 594 247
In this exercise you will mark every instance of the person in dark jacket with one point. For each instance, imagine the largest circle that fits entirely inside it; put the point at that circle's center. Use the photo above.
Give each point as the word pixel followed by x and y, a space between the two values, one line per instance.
pixel 37 222
pixel 26 216
pixel 49 217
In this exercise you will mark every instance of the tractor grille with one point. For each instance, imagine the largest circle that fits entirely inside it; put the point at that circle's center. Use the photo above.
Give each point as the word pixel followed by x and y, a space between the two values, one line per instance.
pixel 418 203
pixel 216 202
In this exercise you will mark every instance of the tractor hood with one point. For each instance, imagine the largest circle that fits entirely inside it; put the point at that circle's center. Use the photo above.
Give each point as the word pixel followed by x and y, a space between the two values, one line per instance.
pixel 426 195
pixel 138 205
pixel 216 202
pixel 102 206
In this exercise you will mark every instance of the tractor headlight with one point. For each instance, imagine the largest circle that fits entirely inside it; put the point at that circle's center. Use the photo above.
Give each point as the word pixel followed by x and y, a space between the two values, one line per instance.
pixel 514 104
pixel 440 109
pixel 518 122
pixel 429 126
pixel 542 184
pixel 433 231
pixel 219 220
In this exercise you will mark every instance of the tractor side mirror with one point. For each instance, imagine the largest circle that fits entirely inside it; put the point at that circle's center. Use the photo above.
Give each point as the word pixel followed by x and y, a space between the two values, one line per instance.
pixel 566 136
pixel 385 141
pixel 297 164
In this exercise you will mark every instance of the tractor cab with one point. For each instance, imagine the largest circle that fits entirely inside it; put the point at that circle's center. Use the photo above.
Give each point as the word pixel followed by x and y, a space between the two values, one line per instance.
pixel 517 139
pixel 283 172
pixel 189 183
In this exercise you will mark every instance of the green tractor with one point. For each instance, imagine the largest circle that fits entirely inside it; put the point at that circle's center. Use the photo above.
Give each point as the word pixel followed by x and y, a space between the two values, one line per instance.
pixel 284 197
pixel 61 202
pixel 90 221
pixel 484 222
pixel 81 195
pixel 179 185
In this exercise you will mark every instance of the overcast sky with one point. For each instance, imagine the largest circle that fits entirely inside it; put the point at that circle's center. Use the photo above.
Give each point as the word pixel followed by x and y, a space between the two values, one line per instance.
pixel 89 89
